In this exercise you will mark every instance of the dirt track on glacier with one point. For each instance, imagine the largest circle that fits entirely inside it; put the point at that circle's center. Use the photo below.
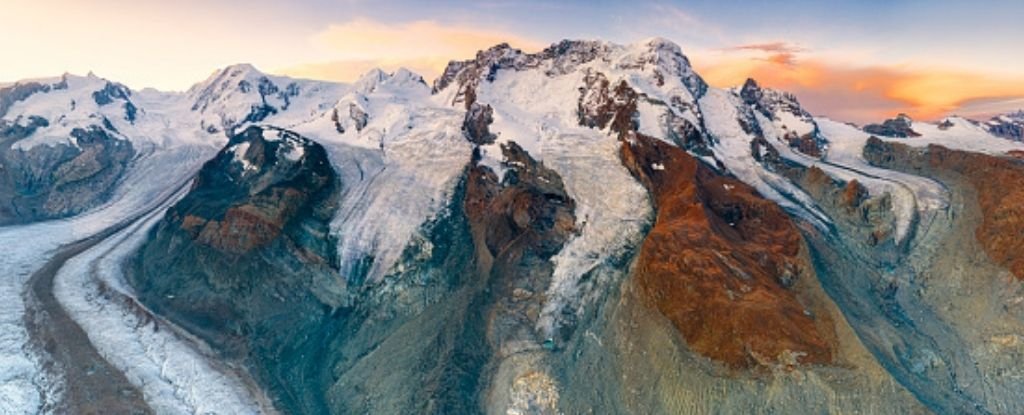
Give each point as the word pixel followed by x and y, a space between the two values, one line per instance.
pixel 90 384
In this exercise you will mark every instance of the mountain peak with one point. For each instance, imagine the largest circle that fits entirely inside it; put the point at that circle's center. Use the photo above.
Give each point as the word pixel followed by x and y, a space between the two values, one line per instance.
pixel 662 44
pixel 751 84
pixel 901 126
pixel 241 68
pixel 376 77
pixel 220 77
pixel 658 56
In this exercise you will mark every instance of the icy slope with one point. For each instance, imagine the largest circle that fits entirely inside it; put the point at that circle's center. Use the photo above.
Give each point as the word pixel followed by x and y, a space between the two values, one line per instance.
pixel 241 94
pixel 399 152
pixel 731 123
pixel 67 103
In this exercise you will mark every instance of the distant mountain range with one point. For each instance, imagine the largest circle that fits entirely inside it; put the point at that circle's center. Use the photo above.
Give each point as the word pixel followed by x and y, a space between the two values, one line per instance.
pixel 587 229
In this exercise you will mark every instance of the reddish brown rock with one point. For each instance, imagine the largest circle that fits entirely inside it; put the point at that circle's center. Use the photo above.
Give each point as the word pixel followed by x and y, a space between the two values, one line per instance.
pixel 517 224
pixel 853 193
pixel 806 144
pixel 720 261
pixel 998 181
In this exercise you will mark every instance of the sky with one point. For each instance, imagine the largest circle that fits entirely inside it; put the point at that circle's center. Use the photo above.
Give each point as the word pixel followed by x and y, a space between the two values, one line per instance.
pixel 857 61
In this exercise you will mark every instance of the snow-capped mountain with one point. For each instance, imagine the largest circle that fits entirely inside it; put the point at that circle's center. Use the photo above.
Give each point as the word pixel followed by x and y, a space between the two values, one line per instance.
pixel 588 228
pixel 240 95
pixel 1010 126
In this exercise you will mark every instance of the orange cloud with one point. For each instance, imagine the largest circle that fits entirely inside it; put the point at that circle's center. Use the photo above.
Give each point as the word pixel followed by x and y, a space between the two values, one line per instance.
pixel 780 53
pixel 422 46
pixel 859 94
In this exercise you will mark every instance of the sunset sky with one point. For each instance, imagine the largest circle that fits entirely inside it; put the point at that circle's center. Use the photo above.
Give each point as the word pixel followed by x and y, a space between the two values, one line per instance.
pixel 851 60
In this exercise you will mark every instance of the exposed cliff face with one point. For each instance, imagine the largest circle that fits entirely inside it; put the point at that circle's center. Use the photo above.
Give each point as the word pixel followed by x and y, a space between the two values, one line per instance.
pixel 796 126
pixel 1010 126
pixel 244 260
pixel 476 126
pixel 994 179
pixel 47 182
pixel 518 225
pixel 720 261
pixel 901 127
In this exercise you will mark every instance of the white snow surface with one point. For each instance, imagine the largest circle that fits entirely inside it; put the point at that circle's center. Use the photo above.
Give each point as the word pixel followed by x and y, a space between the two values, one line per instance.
pixel 962 135
pixel 174 118
pixel 788 121
pixel 398 172
pixel 222 102
pixel 65 110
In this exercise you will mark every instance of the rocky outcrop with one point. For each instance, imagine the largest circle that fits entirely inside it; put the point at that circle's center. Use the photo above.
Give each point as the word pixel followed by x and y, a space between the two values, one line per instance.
pixel 996 183
pixel 245 262
pixel 1009 126
pixel 867 220
pixel 720 263
pixel 901 127
pixel 48 182
pixel 603 106
pixel 113 92
pixel 477 123
pixel 522 220
pixel 518 224
pixel 716 249
pixel 805 137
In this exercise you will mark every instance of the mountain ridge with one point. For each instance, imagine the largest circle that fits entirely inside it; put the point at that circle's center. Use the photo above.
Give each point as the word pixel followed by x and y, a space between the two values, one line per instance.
pixel 532 233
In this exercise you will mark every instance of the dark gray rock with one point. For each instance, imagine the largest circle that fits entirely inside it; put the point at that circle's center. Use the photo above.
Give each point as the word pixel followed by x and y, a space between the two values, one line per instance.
pixel 894 127
pixel 242 259
pixel 1009 126
pixel 55 181
pixel 477 123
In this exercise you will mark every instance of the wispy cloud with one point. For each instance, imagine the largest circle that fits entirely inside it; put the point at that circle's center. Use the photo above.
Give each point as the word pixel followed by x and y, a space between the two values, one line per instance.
pixel 987 107
pixel 782 53
pixel 771 47
pixel 666 19
pixel 425 46
pixel 856 93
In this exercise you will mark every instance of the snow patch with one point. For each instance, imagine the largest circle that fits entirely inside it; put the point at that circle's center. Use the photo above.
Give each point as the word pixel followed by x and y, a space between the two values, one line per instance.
pixel 239 150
